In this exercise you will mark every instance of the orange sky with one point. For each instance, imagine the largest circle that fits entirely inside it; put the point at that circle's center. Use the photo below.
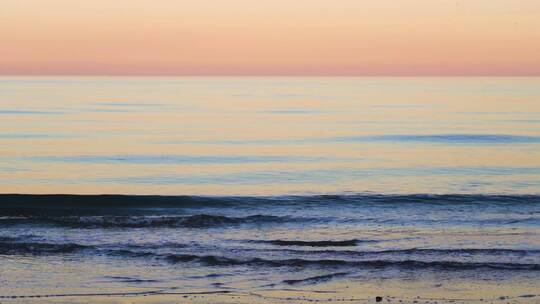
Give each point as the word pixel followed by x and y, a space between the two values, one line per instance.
pixel 270 37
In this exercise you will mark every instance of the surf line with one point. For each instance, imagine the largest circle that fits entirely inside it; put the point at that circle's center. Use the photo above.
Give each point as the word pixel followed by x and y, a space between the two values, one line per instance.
pixel 112 294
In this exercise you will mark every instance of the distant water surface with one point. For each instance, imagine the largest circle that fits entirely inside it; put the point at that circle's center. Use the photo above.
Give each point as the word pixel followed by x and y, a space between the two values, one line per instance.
pixel 269 136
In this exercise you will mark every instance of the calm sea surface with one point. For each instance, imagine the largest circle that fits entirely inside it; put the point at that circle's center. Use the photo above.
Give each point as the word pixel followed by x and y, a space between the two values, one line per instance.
pixel 270 136
pixel 270 189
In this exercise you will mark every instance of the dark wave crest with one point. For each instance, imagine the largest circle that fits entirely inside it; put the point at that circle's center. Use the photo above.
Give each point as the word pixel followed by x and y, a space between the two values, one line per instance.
pixel 345 243
pixel 193 221
pixel 34 248
pixel 316 279
pixel 27 205
pixel 205 220
pixel 427 252
pixel 211 260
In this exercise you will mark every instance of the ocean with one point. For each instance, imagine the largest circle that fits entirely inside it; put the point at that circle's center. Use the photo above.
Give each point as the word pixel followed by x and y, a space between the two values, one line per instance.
pixel 269 189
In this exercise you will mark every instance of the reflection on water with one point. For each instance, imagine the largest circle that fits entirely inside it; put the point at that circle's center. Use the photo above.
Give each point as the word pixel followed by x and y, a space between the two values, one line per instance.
pixel 250 136
pixel 246 145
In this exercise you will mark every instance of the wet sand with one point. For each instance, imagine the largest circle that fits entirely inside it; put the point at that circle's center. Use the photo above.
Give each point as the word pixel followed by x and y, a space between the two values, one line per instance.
pixel 346 291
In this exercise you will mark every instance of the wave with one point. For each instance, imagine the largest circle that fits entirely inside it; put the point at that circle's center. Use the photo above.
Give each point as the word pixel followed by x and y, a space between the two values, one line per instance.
pixel 193 221
pixel 212 260
pixel 406 259
pixel 405 252
pixel 8 247
pixel 490 251
pixel 205 220
pixel 29 244
pixel 22 204
pixel 129 279
pixel 316 279
pixel 482 254
pixel 345 243
pixel 211 221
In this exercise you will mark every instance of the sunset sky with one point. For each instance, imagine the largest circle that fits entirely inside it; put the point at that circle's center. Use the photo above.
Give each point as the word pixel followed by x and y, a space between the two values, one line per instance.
pixel 270 37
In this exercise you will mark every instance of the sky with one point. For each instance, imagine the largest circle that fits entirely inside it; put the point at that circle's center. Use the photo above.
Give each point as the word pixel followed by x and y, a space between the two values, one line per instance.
pixel 270 37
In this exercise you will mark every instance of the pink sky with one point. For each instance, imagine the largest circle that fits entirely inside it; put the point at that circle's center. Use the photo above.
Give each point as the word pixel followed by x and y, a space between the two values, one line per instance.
pixel 270 37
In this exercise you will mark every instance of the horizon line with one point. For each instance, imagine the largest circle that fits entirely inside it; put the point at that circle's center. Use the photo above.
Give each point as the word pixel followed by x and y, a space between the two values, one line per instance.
pixel 271 75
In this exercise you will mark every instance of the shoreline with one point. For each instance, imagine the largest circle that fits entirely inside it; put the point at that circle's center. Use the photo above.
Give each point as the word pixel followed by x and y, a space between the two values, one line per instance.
pixel 263 296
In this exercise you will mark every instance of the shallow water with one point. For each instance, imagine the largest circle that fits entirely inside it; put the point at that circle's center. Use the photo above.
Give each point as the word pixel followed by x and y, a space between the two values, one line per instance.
pixel 329 186
pixel 53 245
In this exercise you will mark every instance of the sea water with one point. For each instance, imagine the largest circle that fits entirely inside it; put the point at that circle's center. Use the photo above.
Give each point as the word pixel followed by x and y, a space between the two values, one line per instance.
pixel 244 185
